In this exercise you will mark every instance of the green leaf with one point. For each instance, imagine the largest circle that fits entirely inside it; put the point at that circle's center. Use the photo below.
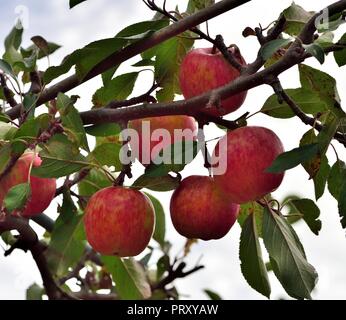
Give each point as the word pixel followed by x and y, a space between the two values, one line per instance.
pixel 162 265
pixel 28 130
pixel 271 47
pixel 289 263
pixel 50 49
pixel 296 18
pixel 85 59
pixel 322 84
pixel 248 209
pixel 73 3
pixel 326 135
pixel 308 100
pixel 317 167
pixel 4 117
pixel 41 43
pixel 336 177
pixel 108 154
pixel 108 75
pixel 291 159
pixel 330 24
pixel 72 121
pixel 88 57
pixel 340 55
pixel 60 158
pixel 163 183
pixel 196 5
pixel 165 94
pixel 14 39
pixel 26 133
pixel 24 61
pixel 337 186
pixel 291 213
pixel 14 58
pixel 169 56
pixel 129 277
pixel 34 292
pixel 212 295
pixel 342 204
pixel 67 242
pixel 320 180
pixel 118 88
pixel 316 51
pixel 17 197
pixel 310 213
pixel 8 238
pixel 311 166
pixel 144 63
pixel 103 130
pixel 142 29
pixel 160 221
pixel 173 158
pixel 93 182
pixel 29 103
pixel 250 254
pixel 325 40
pixel 6 68
pixel 7 131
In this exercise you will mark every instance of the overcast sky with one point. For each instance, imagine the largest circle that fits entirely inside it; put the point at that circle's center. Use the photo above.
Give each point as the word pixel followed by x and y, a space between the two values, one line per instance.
pixel 99 19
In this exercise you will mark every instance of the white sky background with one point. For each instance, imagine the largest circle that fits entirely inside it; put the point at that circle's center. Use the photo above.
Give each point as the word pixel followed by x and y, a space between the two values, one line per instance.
pixel 95 20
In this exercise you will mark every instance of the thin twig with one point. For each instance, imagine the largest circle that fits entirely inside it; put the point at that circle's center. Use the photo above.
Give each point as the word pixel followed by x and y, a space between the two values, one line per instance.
pixel 174 274
pixel 283 96
pixel 70 183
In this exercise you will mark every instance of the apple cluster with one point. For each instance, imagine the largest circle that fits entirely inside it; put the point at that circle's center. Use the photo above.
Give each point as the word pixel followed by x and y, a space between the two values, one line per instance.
pixel 120 220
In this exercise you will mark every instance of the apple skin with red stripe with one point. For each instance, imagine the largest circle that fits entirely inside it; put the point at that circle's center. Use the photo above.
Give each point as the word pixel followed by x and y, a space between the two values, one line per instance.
pixel 203 70
pixel 119 221
pixel 200 210
pixel 248 152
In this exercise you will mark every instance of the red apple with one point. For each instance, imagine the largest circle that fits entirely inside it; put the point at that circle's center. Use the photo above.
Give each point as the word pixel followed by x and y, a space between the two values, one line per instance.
pixel 199 209
pixel 248 152
pixel 148 147
pixel 42 189
pixel 119 221
pixel 202 70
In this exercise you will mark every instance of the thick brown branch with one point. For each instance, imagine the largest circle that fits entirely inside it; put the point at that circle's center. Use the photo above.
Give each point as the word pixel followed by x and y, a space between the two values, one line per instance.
pixel 228 55
pixel 30 241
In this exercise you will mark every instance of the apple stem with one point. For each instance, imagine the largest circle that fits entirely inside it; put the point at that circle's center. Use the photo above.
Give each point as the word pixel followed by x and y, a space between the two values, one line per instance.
pixel 213 51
